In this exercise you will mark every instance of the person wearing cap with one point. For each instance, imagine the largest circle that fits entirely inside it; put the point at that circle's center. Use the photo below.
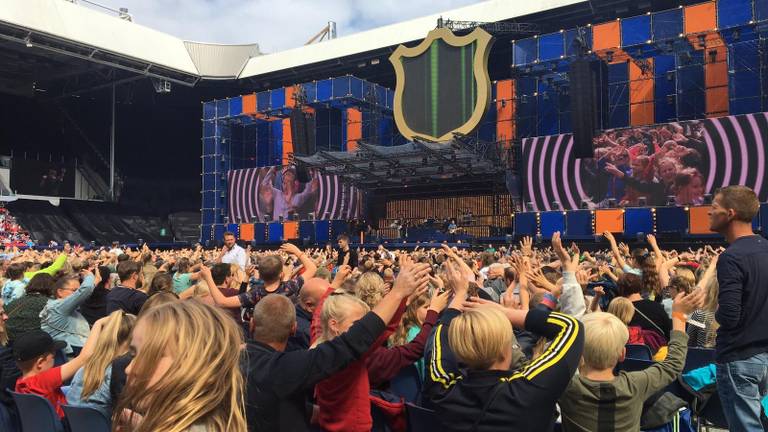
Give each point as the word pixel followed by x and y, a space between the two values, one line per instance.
pixel 34 352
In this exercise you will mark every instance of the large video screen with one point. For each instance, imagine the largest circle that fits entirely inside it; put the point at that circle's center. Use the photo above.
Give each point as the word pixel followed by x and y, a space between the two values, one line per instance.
pixel 679 162
pixel 35 177
pixel 272 192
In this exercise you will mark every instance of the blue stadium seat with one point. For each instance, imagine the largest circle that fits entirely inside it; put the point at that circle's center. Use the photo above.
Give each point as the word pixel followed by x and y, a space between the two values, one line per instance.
pixel 698 357
pixel 421 419
pixel 639 352
pixel 407 384
pixel 86 419
pixel 36 413
pixel 633 365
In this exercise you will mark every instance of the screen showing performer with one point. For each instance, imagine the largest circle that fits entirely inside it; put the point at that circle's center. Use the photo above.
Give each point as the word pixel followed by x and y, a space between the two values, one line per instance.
pixel 269 193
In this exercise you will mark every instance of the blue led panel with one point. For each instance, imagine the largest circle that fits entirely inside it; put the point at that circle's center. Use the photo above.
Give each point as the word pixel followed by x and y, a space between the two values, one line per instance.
pixel 579 225
pixel 551 46
pixel 638 220
pixel 525 224
pixel 552 222
pixel 525 51
pixel 635 30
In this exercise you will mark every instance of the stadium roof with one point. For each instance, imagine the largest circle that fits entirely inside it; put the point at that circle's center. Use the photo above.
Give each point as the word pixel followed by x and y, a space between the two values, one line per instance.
pixel 71 29
pixel 395 34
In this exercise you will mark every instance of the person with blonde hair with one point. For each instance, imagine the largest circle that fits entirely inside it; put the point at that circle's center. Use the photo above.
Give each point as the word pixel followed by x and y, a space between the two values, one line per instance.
pixel 278 380
pixel 491 395
pixel 370 288
pixel 90 385
pixel 703 328
pixel 342 398
pixel 597 390
pixel 186 373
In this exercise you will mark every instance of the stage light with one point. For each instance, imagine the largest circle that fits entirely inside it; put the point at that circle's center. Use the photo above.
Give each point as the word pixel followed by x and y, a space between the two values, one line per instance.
pixel 584 204
pixel 267 217
pixel 609 56
pixel 640 237
pixel 703 41
pixel 642 201
pixel 556 205
pixel 670 201
pixel 529 206
pixel 28 42
pixel 611 202
pixel 708 199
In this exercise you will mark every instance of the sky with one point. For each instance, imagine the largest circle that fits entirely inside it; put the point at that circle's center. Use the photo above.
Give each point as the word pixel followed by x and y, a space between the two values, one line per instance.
pixel 274 24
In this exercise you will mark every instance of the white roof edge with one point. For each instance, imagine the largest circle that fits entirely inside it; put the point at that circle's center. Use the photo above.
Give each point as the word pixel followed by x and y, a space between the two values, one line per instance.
pixel 395 34
pixel 69 21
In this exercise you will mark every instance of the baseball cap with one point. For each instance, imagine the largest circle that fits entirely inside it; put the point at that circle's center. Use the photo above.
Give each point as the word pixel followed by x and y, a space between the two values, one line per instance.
pixel 35 344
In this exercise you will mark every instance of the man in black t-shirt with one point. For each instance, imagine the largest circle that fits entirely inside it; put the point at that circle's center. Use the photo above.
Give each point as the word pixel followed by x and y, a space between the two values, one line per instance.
pixel 127 296
pixel 344 250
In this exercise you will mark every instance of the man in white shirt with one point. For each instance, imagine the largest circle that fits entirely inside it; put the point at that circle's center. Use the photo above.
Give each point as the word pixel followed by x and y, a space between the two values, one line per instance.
pixel 232 253
pixel 116 249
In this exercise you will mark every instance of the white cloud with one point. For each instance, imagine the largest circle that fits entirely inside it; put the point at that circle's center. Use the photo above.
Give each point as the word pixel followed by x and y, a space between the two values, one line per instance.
pixel 273 24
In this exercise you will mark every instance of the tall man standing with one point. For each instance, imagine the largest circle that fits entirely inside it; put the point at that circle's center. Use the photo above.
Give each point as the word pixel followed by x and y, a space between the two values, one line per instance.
pixel 742 339
pixel 232 253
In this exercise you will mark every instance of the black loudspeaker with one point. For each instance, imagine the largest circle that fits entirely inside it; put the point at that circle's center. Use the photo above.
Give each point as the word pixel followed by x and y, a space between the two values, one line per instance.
pixel 302 133
pixel 589 103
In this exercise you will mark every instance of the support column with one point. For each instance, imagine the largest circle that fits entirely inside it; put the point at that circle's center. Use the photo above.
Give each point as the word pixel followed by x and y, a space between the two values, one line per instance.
pixel 112 149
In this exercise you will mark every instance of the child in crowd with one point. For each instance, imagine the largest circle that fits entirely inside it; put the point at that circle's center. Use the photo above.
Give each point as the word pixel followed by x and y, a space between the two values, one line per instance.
pixel 90 386
pixel 34 352
pixel 596 399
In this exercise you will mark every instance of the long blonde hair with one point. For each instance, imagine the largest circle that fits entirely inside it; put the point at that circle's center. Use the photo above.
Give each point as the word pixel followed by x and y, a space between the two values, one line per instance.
pixel 113 342
pixel 410 319
pixel 336 306
pixel 204 385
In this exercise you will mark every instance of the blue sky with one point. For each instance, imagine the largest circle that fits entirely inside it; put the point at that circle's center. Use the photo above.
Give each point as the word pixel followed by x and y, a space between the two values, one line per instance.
pixel 274 24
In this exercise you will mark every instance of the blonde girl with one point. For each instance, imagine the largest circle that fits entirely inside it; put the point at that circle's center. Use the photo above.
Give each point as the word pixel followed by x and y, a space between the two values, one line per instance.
pixel 90 386
pixel 186 373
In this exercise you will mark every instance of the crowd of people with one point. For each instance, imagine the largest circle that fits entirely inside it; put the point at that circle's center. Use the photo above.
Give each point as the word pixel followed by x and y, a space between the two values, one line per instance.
pixel 653 162
pixel 514 338
pixel 11 233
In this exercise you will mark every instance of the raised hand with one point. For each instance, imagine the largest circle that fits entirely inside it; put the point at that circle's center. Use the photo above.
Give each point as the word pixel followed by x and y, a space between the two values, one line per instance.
pixel 687 303
pixel 439 300
pixel 410 279
pixel 526 246
pixel 342 273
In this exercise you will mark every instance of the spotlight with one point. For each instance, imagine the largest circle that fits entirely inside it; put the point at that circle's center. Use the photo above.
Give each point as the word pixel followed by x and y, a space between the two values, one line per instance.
pixel 611 202
pixel 266 217
pixel 708 199
pixel 584 204
pixel 670 201
pixel 28 41
pixel 556 205
pixel 529 206
pixel 702 40
pixel 539 238
pixel 609 56
pixel 640 237
pixel 642 201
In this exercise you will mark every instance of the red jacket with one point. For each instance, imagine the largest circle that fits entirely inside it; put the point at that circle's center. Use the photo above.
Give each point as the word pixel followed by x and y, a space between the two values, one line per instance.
pixel 385 363
pixel 343 398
